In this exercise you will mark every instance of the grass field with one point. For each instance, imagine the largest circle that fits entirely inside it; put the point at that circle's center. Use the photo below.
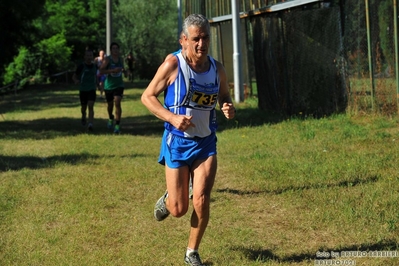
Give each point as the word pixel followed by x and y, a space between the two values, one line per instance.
pixel 288 191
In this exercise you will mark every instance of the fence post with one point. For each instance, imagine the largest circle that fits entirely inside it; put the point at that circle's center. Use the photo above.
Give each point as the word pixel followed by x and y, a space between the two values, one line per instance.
pixel 369 53
pixel 395 26
pixel 236 24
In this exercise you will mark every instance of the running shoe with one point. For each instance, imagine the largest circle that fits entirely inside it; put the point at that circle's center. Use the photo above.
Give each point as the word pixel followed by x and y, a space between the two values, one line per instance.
pixel 90 127
pixel 110 123
pixel 117 129
pixel 83 121
pixel 160 211
pixel 193 259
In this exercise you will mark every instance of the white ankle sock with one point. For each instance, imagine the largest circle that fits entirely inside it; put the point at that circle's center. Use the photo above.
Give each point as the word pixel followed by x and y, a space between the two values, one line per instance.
pixel 190 250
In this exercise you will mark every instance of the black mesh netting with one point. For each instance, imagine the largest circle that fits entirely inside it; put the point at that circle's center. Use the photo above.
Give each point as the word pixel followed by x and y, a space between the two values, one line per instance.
pixel 298 59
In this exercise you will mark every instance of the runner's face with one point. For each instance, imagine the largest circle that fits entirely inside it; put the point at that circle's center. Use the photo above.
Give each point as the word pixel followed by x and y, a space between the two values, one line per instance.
pixel 88 57
pixel 115 50
pixel 198 41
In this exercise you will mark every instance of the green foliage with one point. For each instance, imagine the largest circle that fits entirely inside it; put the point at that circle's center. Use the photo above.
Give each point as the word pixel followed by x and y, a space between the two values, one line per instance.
pixel 83 23
pixel 149 30
pixel 16 27
pixel 29 65
pixel 57 38
pixel 17 69
pixel 54 53
pixel 25 69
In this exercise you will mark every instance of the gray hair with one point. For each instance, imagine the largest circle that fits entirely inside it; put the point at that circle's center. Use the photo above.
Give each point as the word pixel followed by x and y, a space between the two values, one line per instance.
pixel 197 20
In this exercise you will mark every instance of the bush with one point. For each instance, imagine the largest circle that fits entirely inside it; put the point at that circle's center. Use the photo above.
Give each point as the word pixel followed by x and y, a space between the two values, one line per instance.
pixel 54 54
pixel 18 69
pixel 49 56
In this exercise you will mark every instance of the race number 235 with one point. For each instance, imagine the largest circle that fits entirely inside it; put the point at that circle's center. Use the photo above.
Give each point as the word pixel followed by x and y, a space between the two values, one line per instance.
pixel 204 99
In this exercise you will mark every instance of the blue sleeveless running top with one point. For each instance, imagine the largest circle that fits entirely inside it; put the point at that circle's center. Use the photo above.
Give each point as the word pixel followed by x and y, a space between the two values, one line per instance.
pixel 194 94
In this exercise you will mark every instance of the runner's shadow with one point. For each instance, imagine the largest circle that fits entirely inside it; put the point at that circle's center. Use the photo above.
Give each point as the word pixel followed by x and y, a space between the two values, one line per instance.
pixel 344 183
pixel 42 128
pixel 8 163
pixel 35 162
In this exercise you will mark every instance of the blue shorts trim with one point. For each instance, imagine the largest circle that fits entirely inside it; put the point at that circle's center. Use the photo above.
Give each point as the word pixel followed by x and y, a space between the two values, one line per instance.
pixel 178 151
